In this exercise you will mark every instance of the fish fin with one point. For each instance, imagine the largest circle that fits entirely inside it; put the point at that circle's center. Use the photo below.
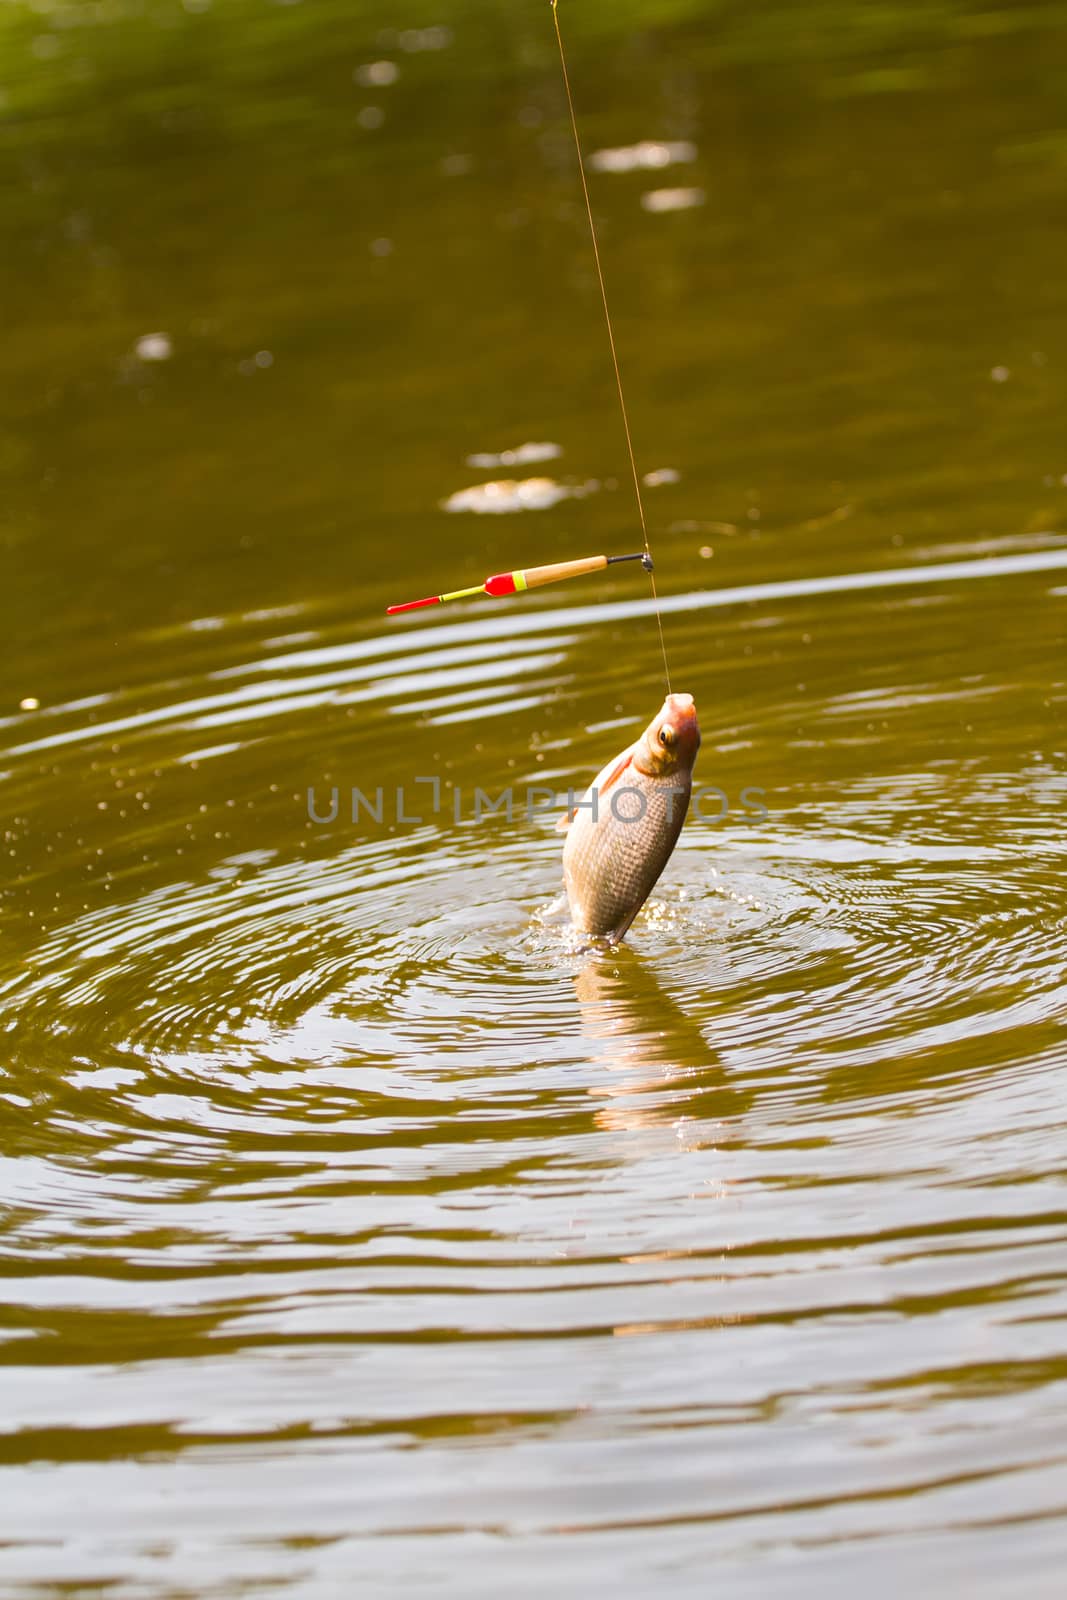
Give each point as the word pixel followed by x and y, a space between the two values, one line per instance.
pixel 602 781
pixel 611 775
pixel 618 933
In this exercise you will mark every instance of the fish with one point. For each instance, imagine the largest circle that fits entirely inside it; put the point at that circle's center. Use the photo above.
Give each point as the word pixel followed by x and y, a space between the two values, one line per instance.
pixel 621 833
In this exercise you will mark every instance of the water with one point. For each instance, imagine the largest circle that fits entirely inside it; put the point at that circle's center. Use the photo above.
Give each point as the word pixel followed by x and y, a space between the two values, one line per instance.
pixel 356 1230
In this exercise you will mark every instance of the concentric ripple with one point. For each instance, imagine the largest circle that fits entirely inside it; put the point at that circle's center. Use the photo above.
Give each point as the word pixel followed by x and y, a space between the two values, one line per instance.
pixel 330 1153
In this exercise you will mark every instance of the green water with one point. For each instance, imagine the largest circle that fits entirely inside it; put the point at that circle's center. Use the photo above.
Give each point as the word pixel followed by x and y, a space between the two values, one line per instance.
pixel 357 1234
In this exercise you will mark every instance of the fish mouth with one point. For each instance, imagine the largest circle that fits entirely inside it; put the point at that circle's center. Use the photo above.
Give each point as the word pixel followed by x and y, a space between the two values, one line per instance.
pixel 682 710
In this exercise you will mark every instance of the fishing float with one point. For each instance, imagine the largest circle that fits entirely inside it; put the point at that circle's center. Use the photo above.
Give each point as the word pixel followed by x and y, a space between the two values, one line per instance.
pixel 502 583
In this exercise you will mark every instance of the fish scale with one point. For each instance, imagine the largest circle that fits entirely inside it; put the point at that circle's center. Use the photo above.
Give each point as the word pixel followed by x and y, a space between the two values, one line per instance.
pixel 612 863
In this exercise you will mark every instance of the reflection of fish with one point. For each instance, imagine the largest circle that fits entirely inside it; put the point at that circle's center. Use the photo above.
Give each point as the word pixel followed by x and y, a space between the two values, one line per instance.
pixel 631 1020
pixel 663 1066
pixel 623 831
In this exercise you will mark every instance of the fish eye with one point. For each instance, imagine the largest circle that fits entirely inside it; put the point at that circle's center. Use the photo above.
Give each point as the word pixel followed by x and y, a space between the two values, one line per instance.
pixel 667 736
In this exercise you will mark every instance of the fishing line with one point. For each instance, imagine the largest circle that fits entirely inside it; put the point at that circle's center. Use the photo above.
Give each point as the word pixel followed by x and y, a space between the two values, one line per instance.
pixel 611 338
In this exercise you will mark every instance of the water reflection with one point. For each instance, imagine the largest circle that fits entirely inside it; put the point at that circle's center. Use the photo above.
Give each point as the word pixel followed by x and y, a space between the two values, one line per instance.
pixel 663 1070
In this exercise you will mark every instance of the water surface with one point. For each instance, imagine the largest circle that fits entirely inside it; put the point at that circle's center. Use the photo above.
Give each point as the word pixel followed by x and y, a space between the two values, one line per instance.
pixel 358 1231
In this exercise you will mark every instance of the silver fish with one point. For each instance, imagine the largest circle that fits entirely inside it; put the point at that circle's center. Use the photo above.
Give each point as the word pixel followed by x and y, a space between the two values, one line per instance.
pixel 621 835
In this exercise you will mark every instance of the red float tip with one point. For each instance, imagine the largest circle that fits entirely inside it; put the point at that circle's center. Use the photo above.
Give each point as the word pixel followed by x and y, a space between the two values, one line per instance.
pixel 413 605
pixel 501 583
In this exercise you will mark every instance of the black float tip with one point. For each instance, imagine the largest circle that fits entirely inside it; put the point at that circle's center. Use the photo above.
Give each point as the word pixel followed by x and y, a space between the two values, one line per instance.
pixel 642 556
